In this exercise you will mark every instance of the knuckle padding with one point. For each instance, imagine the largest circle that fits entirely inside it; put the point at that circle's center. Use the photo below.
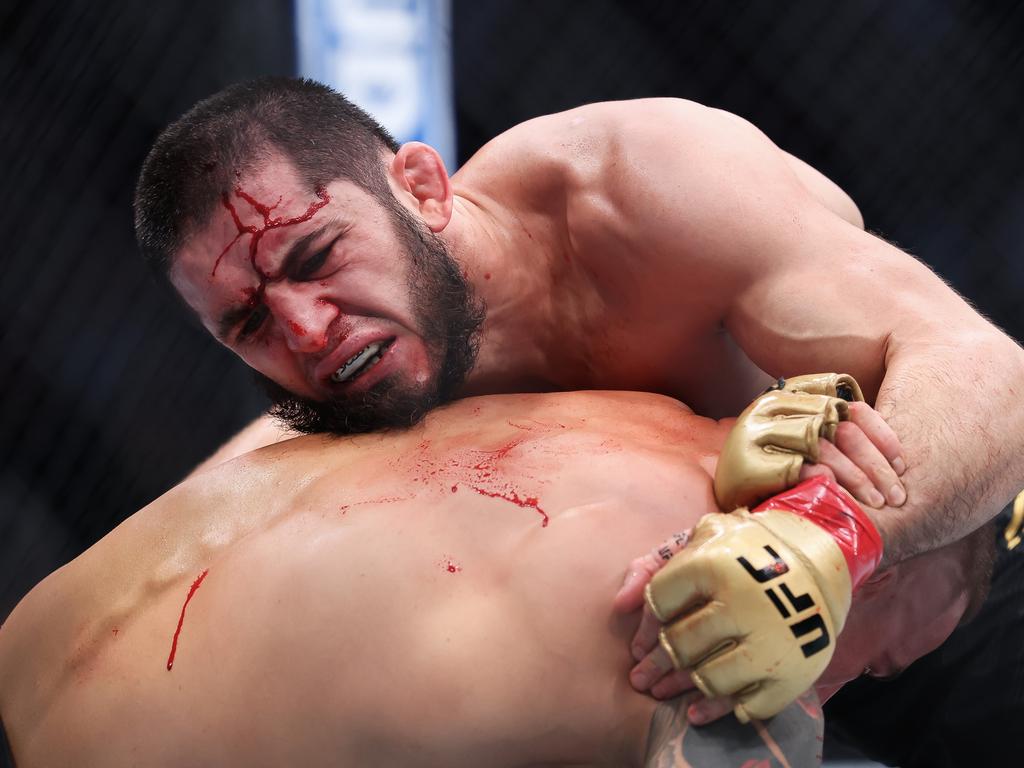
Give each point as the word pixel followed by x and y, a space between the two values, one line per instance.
pixel 701 636
pixel 678 585
pixel 742 642
pixel 721 676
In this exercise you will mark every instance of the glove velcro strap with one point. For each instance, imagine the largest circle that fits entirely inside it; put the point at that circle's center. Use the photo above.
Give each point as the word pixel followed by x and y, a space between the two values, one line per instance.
pixel 824 503
pixel 841 385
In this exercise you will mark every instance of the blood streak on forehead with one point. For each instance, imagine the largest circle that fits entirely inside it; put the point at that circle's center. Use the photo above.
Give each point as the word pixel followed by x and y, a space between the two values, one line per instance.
pixel 257 232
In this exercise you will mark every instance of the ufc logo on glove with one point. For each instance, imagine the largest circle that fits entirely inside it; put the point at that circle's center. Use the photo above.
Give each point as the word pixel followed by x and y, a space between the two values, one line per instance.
pixel 798 603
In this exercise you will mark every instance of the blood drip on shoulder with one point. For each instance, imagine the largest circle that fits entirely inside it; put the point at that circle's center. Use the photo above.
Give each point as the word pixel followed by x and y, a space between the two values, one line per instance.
pixel 181 618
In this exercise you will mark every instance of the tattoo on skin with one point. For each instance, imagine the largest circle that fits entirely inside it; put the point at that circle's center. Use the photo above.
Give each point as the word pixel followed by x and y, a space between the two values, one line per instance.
pixel 791 739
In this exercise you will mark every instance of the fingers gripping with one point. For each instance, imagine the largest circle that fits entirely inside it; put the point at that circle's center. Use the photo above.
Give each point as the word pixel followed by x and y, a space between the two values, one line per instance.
pixel 861 467
pixel 745 614
pixel 879 433
pixel 701 636
pixel 685 581
pixel 849 475
pixel 766 448
pixel 641 569
pixel 874 447
pixel 863 436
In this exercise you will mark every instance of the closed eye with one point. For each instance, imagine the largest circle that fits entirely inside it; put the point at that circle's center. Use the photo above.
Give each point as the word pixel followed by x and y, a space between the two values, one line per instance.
pixel 311 267
pixel 253 322
pixel 308 268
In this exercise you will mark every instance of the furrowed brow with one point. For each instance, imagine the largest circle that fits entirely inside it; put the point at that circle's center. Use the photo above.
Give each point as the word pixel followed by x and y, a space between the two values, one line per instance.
pixel 299 248
pixel 230 317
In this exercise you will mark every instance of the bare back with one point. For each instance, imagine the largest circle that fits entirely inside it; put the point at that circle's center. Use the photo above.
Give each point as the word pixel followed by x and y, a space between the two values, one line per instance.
pixel 414 598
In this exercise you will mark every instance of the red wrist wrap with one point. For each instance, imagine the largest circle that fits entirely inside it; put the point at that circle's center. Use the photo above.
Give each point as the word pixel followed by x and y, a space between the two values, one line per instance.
pixel 825 504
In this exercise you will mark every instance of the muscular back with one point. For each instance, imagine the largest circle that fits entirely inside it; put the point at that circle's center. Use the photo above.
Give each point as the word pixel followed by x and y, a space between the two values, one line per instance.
pixel 413 598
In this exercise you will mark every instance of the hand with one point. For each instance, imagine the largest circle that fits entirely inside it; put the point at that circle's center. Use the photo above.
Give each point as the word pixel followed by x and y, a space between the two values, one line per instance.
pixel 865 457
pixel 853 460
pixel 753 606
pixel 653 672
pixel 775 437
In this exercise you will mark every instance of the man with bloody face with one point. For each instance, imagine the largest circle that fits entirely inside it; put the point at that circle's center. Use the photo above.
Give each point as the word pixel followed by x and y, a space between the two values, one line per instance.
pixel 397 304
pixel 653 245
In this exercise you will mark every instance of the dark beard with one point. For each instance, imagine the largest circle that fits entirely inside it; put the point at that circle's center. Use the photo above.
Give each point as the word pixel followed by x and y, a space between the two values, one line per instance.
pixel 450 318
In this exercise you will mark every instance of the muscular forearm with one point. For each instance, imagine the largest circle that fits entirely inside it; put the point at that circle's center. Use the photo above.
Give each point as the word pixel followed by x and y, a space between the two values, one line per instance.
pixel 946 379
pixel 955 405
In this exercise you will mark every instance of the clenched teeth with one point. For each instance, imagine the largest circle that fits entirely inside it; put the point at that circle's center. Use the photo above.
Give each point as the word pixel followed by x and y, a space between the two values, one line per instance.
pixel 368 354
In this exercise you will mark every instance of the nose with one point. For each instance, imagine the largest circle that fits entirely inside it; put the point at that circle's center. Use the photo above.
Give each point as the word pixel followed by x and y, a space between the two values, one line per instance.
pixel 302 317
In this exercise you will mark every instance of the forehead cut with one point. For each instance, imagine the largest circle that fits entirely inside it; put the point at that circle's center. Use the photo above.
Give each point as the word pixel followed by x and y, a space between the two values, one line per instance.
pixel 200 155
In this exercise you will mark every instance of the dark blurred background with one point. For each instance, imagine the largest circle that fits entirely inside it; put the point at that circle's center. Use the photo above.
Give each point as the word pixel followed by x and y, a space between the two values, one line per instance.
pixel 108 394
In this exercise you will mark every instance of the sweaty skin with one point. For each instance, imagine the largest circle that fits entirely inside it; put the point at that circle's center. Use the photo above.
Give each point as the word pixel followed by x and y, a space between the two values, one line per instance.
pixel 640 245
pixel 439 596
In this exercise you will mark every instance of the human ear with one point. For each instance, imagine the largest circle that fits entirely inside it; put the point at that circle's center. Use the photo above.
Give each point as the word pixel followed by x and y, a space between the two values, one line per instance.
pixel 418 171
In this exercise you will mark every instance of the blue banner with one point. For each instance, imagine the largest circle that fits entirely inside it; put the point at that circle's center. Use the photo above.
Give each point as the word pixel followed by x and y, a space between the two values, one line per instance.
pixel 391 57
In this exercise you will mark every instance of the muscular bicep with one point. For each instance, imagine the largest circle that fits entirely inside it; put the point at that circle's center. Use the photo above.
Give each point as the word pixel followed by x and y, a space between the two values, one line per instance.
pixel 775 249
pixel 818 185
pixel 714 228
pixel 693 206
pixel 839 299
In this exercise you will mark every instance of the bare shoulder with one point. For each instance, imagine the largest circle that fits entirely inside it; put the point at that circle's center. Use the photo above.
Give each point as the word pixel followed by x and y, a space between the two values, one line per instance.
pixel 628 119
pixel 581 143
pixel 264 431
pixel 84 656
pixel 19 635
pixel 627 164
pixel 44 648
pixel 648 178
pixel 617 149
pixel 59 627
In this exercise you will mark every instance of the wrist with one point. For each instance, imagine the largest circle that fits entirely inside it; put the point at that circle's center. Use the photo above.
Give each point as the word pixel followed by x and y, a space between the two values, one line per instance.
pixel 822 502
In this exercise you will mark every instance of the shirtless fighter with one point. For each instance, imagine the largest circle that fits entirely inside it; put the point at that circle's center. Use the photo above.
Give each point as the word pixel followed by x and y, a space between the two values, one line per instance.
pixel 435 596
pixel 651 245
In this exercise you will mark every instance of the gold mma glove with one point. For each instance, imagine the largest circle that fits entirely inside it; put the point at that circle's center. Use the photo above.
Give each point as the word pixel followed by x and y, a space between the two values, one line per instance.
pixel 767 446
pixel 753 604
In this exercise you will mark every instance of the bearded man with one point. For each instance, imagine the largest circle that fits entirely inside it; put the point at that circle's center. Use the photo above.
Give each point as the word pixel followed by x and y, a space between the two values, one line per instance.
pixel 651 245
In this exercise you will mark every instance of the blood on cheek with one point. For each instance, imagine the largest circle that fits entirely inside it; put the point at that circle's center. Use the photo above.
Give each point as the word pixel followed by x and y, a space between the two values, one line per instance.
pixel 255 297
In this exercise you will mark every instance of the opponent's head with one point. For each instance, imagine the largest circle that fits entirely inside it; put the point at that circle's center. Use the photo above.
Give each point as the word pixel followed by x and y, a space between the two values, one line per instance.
pixel 306 240
pixel 910 609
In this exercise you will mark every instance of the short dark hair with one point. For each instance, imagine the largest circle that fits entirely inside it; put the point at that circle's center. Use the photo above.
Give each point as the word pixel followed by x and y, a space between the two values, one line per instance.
pixel 198 157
